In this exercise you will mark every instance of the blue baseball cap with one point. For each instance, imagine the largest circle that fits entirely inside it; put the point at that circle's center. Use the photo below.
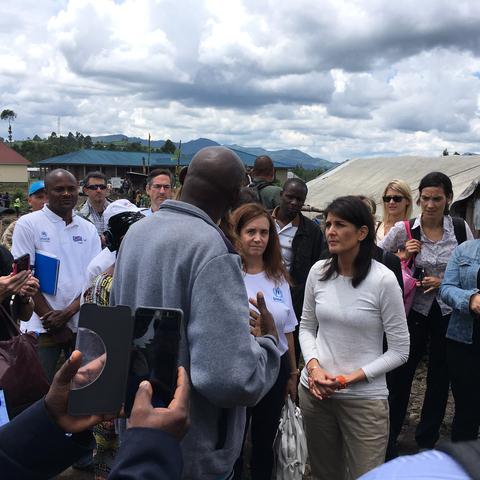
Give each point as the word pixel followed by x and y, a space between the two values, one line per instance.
pixel 35 187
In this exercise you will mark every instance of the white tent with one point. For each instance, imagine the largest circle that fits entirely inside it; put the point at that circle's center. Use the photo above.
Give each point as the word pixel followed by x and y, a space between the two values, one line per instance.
pixel 370 177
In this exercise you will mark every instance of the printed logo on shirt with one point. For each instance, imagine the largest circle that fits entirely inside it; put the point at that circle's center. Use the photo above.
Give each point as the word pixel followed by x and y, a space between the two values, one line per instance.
pixel 77 239
pixel 278 295
pixel 44 237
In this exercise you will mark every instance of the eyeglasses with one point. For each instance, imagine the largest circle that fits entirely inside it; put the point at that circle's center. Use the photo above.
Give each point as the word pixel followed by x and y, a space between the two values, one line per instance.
pixel 395 198
pixel 94 187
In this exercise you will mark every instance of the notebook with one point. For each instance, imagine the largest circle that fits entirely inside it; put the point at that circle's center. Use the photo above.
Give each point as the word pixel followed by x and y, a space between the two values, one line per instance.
pixel 47 267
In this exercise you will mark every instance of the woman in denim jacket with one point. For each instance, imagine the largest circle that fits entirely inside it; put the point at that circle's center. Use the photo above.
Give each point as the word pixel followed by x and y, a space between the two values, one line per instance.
pixel 459 289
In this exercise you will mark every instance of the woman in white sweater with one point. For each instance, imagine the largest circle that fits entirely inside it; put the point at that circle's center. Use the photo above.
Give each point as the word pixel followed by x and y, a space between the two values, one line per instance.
pixel 350 302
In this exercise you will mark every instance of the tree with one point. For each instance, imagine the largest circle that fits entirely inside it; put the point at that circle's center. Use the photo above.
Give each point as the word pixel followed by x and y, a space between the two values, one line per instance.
pixel 445 153
pixel 98 146
pixel 168 147
pixel 87 143
pixel 134 147
pixel 306 175
pixel 112 146
pixel 36 138
pixel 456 153
pixel 9 115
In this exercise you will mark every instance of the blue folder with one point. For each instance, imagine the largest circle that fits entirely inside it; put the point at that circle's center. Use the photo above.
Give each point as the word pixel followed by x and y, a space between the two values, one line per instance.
pixel 47 267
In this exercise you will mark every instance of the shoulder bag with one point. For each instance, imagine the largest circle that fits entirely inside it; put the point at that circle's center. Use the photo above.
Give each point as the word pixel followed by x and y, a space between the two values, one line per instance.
pixel 22 377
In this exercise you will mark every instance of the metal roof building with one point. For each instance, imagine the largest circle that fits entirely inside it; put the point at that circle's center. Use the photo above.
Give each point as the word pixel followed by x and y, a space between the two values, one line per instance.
pixel 371 176
pixel 119 163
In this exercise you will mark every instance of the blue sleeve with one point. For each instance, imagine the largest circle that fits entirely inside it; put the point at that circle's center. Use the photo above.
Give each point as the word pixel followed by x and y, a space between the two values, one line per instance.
pixel 451 290
pixel 32 447
pixel 431 465
pixel 148 453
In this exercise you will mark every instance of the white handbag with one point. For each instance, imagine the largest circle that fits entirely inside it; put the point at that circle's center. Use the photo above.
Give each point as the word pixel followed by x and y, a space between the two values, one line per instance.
pixel 290 445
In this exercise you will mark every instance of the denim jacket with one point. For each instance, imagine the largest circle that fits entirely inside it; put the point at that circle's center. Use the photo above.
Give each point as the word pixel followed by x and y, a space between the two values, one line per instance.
pixel 459 284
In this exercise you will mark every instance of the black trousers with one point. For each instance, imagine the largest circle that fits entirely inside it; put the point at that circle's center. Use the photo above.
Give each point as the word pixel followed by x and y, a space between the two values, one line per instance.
pixel 464 368
pixel 422 329
pixel 265 416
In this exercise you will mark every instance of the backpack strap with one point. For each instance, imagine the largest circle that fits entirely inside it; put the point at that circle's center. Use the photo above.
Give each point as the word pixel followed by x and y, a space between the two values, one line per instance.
pixel 414 231
pixel 460 230
pixel 261 185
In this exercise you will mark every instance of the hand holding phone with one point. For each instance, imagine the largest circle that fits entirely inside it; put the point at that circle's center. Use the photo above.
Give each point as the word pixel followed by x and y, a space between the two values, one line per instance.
pixel 21 264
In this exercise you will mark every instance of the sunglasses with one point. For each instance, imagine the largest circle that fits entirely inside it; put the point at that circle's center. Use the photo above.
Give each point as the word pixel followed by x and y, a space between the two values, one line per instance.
pixel 94 187
pixel 396 198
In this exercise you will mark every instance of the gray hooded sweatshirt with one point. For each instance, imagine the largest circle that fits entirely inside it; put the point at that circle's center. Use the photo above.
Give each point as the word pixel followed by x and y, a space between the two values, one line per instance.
pixel 177 258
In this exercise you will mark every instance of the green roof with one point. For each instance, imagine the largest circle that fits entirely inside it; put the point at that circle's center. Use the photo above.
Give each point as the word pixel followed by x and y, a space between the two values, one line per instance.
pixel 134 159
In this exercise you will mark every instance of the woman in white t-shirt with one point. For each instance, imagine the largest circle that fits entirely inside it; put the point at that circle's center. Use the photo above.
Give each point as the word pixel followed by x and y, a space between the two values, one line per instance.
pixel 350 302
pixel 265 272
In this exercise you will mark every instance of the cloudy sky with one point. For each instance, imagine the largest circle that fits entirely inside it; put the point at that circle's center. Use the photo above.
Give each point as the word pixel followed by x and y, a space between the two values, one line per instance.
pixel 334 78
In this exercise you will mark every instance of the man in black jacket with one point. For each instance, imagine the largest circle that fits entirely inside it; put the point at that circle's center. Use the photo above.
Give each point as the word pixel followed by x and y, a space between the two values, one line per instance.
pixel 301 240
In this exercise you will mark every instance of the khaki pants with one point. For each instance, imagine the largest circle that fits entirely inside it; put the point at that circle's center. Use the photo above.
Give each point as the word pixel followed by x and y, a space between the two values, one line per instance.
pixel 346 438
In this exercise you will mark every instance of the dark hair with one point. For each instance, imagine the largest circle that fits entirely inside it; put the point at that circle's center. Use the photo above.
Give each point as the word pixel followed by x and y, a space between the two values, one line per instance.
pixel 296 181
pixel 436 179
pixel 118 226
pixel 248 195
pixel 156 173
pixel 94 175
pixel 353 210
pixel 272 256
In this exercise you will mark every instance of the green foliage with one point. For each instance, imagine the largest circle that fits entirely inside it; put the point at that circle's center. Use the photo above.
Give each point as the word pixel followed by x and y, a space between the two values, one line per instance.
pixel 87 142
pixel 36 138
pixel 135 147
pixel 306 175
pixel 9 115
pixel 445 153
pixel 18 193
pixel 98 146
pixel 168 147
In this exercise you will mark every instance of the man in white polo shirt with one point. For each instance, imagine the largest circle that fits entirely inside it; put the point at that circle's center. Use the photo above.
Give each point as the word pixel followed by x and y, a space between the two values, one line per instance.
pixel 56 230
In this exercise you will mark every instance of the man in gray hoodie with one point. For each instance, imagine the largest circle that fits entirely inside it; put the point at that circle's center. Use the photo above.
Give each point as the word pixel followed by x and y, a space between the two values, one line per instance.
pixel 179 258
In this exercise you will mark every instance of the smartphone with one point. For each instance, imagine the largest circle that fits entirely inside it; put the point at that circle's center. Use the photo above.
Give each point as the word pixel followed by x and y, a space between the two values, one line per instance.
pixel 21 264
pixel 154 354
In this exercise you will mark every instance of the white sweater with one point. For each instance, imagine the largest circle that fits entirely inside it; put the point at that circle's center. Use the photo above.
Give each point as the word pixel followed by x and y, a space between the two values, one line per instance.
pixel 351 322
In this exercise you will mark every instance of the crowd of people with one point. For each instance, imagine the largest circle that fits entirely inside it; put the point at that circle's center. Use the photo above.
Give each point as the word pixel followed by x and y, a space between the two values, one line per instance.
pixel 264 293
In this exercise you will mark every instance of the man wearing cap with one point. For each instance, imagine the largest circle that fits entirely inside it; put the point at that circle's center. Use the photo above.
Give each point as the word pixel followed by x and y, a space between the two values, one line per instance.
pixel 95 187
pixel 57 231
pixel 159 189
pixel 36 199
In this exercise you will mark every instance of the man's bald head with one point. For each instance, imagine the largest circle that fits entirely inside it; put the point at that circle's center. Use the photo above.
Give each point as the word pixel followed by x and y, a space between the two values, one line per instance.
pixel 263 167
pixel 213 181
pixel 53 176
pixel 62 192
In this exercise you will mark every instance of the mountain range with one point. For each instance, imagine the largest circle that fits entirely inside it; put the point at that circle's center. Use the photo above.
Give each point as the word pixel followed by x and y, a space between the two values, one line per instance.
pixel 288 157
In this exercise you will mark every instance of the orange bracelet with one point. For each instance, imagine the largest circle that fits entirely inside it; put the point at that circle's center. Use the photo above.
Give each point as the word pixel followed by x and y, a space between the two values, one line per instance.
pixel 343 382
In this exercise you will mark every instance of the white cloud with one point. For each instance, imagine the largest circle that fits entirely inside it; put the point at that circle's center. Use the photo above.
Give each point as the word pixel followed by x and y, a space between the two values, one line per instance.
pixel 334 78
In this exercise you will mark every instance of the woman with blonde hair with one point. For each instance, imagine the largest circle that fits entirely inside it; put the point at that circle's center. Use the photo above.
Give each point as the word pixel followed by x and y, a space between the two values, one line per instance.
pixel 397 206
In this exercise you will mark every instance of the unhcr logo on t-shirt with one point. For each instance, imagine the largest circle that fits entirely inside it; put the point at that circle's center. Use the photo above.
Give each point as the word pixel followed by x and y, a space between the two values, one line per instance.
pixel 278 295
pixel 44 237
